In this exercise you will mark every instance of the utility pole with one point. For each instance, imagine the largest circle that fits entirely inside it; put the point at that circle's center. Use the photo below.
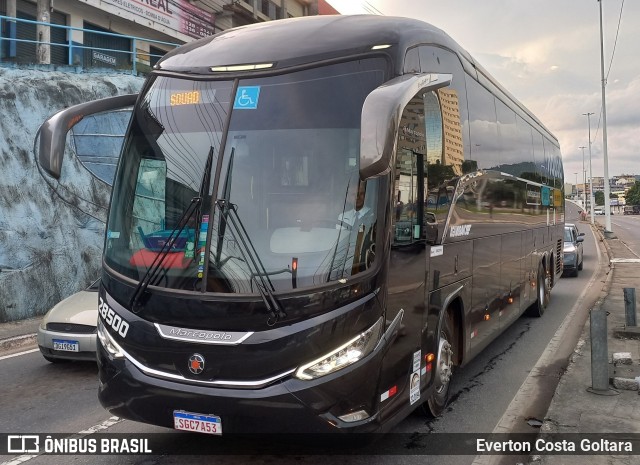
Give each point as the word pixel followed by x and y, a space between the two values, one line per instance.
pixel 43 33
pixel 11 28
pixel 584 177
pixel 588 115
pixel 607 189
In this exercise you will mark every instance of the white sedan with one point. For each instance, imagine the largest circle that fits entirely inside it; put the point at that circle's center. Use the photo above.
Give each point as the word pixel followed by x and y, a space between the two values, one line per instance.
pixel 68 330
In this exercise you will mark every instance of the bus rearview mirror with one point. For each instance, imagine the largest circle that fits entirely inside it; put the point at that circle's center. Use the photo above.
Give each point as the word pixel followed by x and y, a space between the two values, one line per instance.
pixel 380 118
pixel 53 132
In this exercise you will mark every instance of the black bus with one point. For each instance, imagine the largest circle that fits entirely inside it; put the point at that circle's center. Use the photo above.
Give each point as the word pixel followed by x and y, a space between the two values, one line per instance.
pixel 313 222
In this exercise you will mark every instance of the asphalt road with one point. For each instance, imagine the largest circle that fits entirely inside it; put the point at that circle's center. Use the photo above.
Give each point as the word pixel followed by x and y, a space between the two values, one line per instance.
pixel 627 229
pixel 41 397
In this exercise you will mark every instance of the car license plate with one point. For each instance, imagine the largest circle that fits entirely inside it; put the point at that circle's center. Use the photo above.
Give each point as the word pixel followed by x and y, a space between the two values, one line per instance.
pixel 208 424
pixel 67 346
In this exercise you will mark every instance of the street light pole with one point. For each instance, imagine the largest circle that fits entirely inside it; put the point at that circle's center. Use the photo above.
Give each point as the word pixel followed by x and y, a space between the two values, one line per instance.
pixel 584 177
pixel 576 184
pixel 607 207
pixel 588 115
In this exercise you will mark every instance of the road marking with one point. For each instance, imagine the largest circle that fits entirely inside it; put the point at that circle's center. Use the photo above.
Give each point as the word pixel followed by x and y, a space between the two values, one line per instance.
pixel 19 353
pixel 102 426
pixel 94 429
pixel 625 260
pixel 19 460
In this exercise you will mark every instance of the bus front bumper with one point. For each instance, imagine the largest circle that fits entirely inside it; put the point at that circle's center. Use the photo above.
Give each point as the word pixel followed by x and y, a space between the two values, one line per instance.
pixel 287 406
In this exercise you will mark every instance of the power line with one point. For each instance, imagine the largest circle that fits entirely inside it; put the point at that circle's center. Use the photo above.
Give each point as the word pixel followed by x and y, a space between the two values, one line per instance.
pixel 615 42
pixel 372 9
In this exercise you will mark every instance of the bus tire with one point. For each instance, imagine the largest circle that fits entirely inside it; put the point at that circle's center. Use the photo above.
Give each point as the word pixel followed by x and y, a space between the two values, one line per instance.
pixel 437 402
pixel 542 291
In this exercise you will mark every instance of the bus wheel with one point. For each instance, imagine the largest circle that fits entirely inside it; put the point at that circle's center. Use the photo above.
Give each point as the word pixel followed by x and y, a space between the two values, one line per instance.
pixel 542 289
pixel 444 369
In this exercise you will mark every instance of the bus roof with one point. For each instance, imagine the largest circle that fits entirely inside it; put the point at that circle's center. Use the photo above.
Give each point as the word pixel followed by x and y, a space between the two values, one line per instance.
pixel 288 43
pixel 299 41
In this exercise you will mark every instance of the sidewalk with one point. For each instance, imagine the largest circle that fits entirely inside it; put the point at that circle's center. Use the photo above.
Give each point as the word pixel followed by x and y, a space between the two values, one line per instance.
pixel 18 334
pixel 574 409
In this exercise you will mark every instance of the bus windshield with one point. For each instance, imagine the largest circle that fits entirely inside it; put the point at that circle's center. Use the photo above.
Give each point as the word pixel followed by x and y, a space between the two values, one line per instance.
pixel 285 160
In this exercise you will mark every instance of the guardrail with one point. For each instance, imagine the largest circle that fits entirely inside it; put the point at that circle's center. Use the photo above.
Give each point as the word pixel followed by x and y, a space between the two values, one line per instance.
pixel 71 45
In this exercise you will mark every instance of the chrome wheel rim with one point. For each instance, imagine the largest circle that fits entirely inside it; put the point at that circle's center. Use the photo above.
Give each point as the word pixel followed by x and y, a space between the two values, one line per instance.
pixel 445 363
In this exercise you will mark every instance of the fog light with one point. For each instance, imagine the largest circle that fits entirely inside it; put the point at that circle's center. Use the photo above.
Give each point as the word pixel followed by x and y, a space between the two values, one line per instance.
pixel 354 416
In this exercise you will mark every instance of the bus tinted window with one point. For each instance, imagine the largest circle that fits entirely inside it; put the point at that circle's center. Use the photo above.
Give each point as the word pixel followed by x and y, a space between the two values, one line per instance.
pixel 485 146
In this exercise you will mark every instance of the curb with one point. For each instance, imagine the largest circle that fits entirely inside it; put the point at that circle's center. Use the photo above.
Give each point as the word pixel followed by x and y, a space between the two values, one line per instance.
pixel 622 375
pixel 548 425
pixel 16 342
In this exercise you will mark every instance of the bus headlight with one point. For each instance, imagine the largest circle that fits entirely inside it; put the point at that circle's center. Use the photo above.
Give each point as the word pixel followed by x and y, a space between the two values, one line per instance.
pixel 111 346
pixel 345 355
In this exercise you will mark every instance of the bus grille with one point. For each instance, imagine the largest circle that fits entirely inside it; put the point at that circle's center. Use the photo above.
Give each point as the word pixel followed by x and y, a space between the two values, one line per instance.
pixel 559 257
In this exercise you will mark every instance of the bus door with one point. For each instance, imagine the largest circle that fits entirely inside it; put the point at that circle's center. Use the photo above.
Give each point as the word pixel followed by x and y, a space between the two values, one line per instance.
pixel 407 260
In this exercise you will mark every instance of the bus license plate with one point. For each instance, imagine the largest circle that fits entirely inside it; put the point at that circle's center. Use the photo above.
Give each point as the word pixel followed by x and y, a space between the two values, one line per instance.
pixel 208 424
pixel 67 346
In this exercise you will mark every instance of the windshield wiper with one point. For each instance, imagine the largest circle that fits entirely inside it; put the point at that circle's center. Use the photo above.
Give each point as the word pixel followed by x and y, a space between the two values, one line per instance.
pixel 226 194
pixel 335 251
pixel 195 207
pixel 248 251
pixel 228 212
pixel 202 193
pixel 152 270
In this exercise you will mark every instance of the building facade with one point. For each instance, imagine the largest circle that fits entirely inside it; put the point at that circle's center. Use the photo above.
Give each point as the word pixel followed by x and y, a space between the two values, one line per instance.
pixel 101 33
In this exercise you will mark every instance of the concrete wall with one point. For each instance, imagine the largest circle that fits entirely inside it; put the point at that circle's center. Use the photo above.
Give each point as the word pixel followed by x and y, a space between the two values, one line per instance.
pixel 51 231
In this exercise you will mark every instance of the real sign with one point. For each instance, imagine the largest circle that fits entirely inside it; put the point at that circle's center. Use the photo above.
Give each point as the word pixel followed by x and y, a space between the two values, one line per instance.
pixel 178 15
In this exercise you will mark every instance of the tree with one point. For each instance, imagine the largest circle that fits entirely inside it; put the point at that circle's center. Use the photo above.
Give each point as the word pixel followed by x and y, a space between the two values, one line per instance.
pixel 599 197
pixel 633 194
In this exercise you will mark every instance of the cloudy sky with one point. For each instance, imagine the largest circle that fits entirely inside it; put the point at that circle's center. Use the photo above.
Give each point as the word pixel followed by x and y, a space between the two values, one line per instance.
pixel 547 54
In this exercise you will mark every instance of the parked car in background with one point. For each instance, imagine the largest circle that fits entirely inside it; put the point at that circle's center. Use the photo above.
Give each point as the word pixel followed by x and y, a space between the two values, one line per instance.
pixel 598 211
pixel 68 330
pixel 573 253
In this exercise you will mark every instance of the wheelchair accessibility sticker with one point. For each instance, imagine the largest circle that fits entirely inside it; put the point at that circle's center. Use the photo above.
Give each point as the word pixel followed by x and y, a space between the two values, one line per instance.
pixel 247 98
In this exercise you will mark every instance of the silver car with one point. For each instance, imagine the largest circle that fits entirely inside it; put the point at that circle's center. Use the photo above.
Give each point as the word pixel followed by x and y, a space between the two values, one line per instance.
pixel 573 254
pixel 575 228
pixel 68 330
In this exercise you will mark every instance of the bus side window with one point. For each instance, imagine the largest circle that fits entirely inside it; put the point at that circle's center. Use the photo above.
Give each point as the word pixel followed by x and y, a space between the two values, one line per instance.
pixel 425 165
pixel 409 174
pixel 150 207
